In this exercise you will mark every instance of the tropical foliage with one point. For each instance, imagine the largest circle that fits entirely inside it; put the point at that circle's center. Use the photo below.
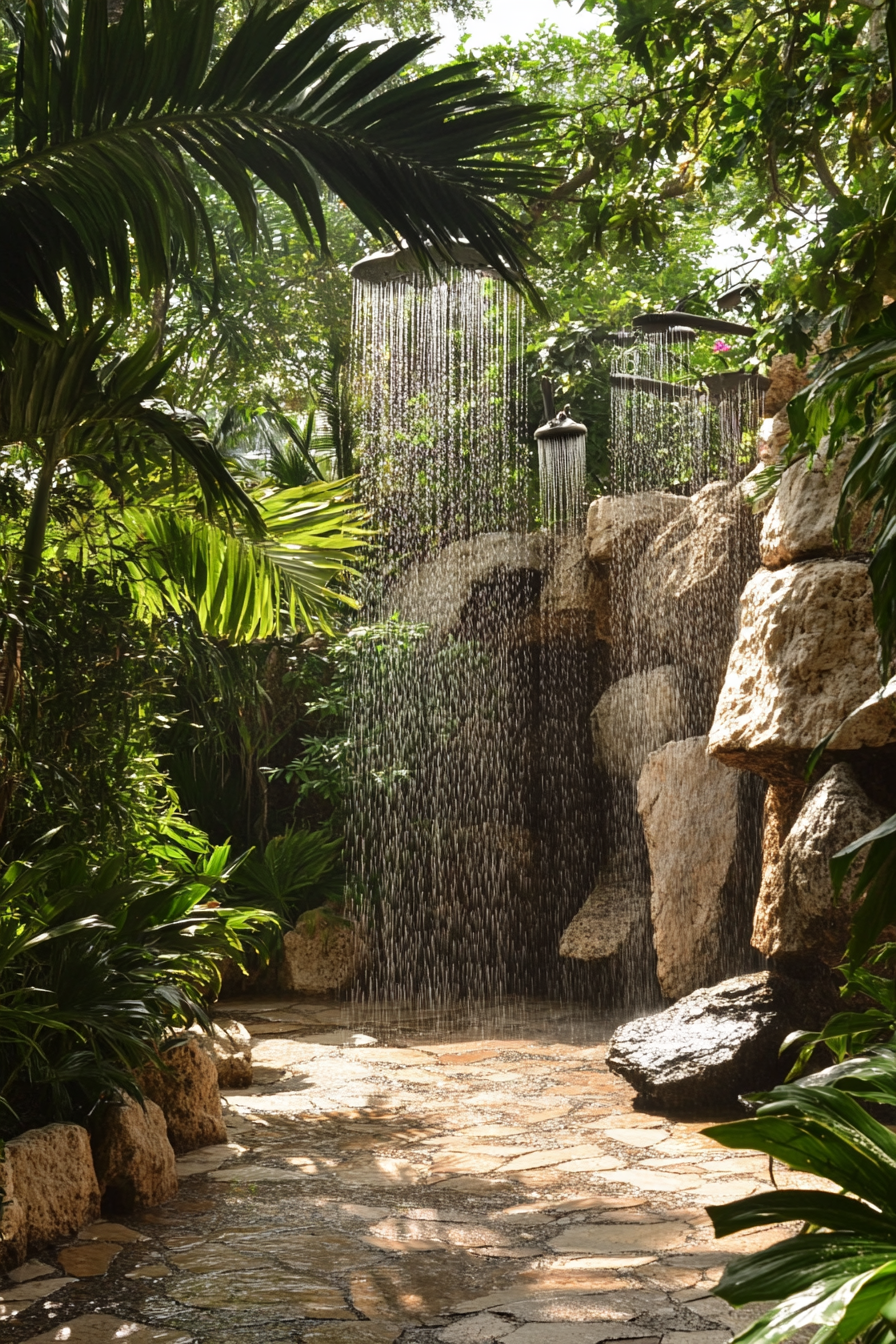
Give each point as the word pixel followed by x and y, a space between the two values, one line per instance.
pixel 182 189
pixel 97 967
pixel 110 121
pixel 838 1272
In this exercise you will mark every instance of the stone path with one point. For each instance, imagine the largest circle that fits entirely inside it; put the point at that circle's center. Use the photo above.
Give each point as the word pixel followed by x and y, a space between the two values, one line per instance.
pixel 429 1179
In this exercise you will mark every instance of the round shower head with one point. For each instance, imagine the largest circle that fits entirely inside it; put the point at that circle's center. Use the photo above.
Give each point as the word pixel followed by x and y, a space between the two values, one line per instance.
pixel 561 426
pixel 672 336
pixel 661 323
pixel 399 263
pixel 631 382
pixel 717 384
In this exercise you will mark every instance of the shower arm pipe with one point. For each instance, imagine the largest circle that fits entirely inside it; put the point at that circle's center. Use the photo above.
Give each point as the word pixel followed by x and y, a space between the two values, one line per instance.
pixel 547 398
pixel 660 322
pixel 557 425
pixel 632 382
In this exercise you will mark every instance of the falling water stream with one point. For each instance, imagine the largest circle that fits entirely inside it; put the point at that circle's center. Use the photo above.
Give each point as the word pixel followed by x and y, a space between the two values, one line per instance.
pixel 678 437
pixel 479 819
pixel 440 838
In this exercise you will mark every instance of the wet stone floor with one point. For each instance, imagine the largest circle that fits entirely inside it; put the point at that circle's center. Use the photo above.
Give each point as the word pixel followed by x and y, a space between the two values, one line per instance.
pixel 440 1178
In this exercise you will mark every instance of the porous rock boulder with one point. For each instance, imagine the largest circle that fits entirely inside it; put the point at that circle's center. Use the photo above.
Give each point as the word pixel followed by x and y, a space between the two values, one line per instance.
pixel 502 566
pixel 804 658
pixel 319 957
pixel 716 1043
pixel 611 923
pixel 771 447
pixel 796 916
pixel 575 598
pixel 636 716
pixel 620 526
pixel 185 1086
pixel 686 588
pixel 229 1046
pixel 690 808
pixel 48 1177
pixel 800 521
pixel 786 378
pixel 132 1156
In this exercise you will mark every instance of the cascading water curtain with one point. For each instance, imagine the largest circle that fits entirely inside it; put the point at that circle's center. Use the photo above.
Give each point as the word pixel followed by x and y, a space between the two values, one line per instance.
pixel 661 439
pixel 568 680
pixel 438 830
pixel 679 436
pixel 561 477
pixel 438 378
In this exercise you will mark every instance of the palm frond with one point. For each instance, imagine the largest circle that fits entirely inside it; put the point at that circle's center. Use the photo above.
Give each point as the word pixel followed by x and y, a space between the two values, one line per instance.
pixel 241 587
pixel 74 400
pixel 111 120
pixel 264 443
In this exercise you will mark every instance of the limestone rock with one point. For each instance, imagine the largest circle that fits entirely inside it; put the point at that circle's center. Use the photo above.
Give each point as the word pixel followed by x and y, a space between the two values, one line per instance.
pixel 797 917
pixel 609 924
pixel 636 716
pixel 229 1046
pixel 687 585
pixel 783 800
pixel 689 806
pixel 620 526
pixel 48 1175
pixel 13 1231
pixel 717 1043
pixel 132 1156
pixel 786 378
pixel 801 519
pixel 319 960
pixel 805 657
pixel 576 596
pixel 186 1088
pixel 443 592
pixel 771 448
pixel 865 717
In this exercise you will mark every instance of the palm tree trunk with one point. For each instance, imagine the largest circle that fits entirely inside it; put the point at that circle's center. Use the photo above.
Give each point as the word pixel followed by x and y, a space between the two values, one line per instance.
pixel 36 530
pixel 30 564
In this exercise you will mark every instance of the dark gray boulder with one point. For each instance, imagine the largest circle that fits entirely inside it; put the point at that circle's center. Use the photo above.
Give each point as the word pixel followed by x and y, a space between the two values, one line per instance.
pixel 716 1043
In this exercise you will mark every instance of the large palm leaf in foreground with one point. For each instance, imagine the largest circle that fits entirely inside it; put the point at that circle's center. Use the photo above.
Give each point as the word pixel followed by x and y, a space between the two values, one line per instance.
pixel 838 1274
pixel 111 120
pixel 74 401
pixel 241 587
pixel 80 407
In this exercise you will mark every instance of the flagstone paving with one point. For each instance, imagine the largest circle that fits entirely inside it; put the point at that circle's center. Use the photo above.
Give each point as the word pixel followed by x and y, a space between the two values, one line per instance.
pixel 396 1176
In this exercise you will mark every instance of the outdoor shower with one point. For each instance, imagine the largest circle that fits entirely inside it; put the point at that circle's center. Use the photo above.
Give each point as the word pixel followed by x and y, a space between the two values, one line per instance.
pixel 561 465
pixel 437 373
pixel 673 428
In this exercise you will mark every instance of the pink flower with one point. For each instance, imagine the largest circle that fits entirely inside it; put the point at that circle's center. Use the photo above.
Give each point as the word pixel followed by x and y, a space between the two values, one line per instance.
pixel 720 346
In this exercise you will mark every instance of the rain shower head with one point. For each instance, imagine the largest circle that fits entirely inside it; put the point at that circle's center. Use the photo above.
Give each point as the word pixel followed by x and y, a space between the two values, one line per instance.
pixel 665 323
pixel 631 382
pixel 561 465
pixel 672 336
pixel 399 263
pixel 717 384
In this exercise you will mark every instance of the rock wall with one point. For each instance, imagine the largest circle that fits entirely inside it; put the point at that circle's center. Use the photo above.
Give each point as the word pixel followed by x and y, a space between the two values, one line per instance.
pixel 797 918
pixel 804 667
pixel 804 659
pixel 689 830
pixel 697 820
